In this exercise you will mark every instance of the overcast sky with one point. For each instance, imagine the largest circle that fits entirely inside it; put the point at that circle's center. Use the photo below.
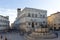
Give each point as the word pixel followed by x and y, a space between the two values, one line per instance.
pixel 8 7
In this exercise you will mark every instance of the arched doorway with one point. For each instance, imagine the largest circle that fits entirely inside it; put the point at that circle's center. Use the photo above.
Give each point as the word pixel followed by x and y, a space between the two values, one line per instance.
pixel 32 24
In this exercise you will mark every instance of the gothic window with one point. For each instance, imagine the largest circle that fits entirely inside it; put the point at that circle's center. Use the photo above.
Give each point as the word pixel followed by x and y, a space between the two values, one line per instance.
pixel 40 15
pixel 28 14
pixel 59 23
pixel 43 21
pixel 40 23
pixel 32 15
pixel 36 23
pixel 54 24
pixel 43 16
pixel 35 15
pixel 29 23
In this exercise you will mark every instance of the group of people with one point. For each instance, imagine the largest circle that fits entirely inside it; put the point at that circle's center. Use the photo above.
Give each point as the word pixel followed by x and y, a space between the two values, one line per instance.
pixel 1 38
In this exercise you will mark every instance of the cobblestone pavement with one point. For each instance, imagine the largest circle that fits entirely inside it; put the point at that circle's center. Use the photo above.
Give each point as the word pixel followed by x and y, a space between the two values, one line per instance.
pixel 17 36
pixel 12 36
pixel 55 38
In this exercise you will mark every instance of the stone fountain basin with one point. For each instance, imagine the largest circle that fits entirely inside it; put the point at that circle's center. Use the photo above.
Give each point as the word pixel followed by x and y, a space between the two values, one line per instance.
pixel 38 36
pixel 43 35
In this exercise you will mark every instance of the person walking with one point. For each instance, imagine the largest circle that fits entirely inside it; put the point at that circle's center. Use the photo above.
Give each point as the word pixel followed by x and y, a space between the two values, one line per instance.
pixel 1 38
pixel 5 38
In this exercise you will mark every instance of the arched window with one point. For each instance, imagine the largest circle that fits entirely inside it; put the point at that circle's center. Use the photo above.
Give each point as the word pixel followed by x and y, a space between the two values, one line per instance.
pixel 35 15
pixel 40 23
pixel 28 23
pixel 43 16
pixel 32 15
pixel 43 21
pixel 40 16
pixel 29 15
pixel 35 23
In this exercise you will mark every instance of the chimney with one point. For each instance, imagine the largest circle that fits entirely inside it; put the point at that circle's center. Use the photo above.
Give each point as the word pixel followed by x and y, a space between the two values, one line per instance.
pixel 18 8
pixel 18 12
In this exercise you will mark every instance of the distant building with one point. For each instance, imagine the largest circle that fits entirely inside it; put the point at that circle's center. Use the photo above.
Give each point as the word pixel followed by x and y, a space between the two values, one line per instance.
pixel 12 25
pixel 4 22
pixel 54 21
pixel 29 18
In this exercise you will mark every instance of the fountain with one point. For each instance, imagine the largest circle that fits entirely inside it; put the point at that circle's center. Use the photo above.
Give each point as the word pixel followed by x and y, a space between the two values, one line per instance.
pixel 40 33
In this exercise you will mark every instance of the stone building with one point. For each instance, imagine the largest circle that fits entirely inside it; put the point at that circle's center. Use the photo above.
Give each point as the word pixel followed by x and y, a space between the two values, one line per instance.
pixel 30 18
pixel 54 21
pixel 4 22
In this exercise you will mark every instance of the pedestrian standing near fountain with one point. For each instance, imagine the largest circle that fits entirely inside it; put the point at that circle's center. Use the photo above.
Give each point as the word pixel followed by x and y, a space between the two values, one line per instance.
pixel 5 38
pixel 1 37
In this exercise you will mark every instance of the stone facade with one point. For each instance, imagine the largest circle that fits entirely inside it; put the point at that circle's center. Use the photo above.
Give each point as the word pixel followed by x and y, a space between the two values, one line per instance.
pixel 31 18
pixel 54 21
pixel 4 22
